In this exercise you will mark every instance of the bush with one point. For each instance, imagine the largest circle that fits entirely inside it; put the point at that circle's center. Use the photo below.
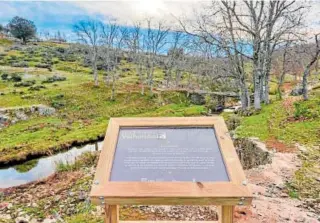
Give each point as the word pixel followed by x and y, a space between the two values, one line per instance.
pixel 54 79
pixel 43 65
pixel 233 122
pixel 247 112
pixel 58 104
pixel 20 64
pixel 307 109
pixel 15 78
pixel 25 83
pixel 36 88
pixel 4 76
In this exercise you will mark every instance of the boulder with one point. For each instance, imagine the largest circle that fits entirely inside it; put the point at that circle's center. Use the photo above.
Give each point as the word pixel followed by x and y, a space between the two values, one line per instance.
pixel 45 110
pixel 297 90
pixel 197 99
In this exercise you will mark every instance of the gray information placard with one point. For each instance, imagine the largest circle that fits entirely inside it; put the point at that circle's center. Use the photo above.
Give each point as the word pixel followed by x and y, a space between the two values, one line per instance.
pixel 168 154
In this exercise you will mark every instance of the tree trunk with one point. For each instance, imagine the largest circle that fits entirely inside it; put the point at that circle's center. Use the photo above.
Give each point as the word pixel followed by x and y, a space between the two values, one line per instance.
pixel 280 83
pixel 307 70
pixel 257 91
pixel 94 68
pixel 244 94
pixel 178 76
pixel 305 83
pixel 266 89
pixel 151 80
pixel 113 91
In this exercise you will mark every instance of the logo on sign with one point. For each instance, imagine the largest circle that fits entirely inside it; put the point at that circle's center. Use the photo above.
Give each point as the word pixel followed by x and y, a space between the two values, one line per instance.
pixel 143 135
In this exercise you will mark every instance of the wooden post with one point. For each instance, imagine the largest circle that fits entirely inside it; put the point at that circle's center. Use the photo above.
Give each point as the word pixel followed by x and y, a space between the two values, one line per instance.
pixel 225 214
pixel 112 214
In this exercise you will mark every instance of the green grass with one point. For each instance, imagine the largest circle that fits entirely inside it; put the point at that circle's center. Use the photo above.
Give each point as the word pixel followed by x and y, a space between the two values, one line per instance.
pixel 84 218
pixel 87 159
pixel 273 121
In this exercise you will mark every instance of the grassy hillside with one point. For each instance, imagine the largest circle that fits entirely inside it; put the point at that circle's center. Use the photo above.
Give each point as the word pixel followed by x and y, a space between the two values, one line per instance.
pixel 82 110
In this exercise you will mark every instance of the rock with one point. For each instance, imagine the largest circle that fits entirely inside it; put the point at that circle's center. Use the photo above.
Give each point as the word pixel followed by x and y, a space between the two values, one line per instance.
pixel 5 217
pixel 4 119
pixel 300 219
pixel 21 220
pixel 9 206
pixel 49 220
pixel 197 99
pixel 297 90
pixel 21 115
pixel 45 110
pixel 302 148
pixel 252 152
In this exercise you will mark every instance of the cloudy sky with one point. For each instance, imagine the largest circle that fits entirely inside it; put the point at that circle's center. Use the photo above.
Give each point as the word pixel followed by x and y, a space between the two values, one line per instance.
pixel 60 15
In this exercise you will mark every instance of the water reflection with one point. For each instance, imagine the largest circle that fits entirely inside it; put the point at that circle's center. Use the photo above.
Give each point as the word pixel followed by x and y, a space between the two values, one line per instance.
pixel 41 168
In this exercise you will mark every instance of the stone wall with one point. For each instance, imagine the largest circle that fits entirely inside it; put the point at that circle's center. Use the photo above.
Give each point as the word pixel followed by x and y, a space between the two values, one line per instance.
pixel 252 152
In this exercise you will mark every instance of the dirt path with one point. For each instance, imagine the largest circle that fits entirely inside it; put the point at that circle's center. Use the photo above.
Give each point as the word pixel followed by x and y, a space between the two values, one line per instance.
pixel 272 202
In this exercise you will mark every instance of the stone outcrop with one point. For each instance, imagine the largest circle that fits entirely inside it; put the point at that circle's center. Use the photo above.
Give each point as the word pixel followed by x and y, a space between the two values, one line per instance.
pixel 252 152
pixel 11 115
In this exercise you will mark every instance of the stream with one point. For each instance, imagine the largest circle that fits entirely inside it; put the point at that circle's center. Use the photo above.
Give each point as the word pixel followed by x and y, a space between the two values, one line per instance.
pixel 37 169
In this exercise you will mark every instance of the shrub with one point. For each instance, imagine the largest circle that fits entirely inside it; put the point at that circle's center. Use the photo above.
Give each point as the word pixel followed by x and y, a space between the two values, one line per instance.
pixel 307 109
pixel 247 112
pixel 54 79
pixel 20 64
pixel 233 122
pixel 57 104
pixel 36 88
pixel 15 78
pixel 4 76
pixel 43 65
pixel 25 83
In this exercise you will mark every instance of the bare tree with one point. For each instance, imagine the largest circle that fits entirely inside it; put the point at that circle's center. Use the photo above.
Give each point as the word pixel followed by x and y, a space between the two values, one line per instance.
pixel 175 60
pixel 88 32
pixel 111 38
pixel 249 30
pixel 155 42
pixel 135 43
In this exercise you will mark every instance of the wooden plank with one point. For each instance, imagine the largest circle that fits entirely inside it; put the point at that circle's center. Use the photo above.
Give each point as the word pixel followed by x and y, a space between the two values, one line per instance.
pixel 111 214
pixel 229 153
pixel 171 193
pixel 106 156
pixel 225 214
pixel 163 121
pixel 172 201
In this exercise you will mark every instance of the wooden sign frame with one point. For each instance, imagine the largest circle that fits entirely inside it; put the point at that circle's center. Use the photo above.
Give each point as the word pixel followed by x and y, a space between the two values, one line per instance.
pixel 223 194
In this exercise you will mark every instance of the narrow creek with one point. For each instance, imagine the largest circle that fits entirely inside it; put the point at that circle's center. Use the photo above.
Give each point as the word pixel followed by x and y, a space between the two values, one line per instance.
pixel 40 168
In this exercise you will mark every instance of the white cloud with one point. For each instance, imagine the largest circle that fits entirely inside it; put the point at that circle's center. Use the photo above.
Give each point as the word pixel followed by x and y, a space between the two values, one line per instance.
pixel 125 11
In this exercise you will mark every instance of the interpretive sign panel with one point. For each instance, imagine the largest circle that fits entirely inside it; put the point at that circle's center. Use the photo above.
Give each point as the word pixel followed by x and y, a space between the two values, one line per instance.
pixel 157 154
pixel 169 161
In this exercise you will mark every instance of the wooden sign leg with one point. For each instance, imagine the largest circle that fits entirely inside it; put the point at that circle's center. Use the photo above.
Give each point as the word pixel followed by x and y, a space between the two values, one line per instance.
pixel 225 214
pixel 112 214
